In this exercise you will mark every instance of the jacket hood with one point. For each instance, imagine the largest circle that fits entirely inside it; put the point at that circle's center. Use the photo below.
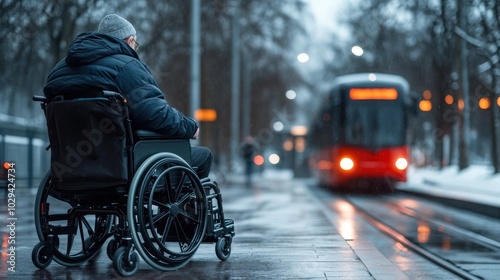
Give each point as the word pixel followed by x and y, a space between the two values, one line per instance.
pixel 90 46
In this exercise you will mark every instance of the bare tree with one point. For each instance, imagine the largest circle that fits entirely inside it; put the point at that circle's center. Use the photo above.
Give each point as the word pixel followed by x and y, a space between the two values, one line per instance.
pixel 38 33
pixel 487 46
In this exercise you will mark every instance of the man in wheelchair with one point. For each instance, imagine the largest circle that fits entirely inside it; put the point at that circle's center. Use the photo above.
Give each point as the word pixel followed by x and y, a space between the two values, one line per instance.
pixel 107 60
pixel 121 164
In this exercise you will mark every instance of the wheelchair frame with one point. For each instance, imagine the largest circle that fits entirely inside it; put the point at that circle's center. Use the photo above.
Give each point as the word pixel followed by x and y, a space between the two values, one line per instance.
pixel 162 213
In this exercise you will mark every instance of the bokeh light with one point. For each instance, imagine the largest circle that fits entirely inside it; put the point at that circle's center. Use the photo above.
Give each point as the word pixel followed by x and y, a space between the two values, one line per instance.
pixel 303 57
pixel 274 159
pixel 290 94
pixel 357 51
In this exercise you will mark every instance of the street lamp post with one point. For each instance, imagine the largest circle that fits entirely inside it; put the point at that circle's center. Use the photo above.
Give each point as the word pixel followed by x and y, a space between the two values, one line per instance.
pixel 195 58
pixel 235 85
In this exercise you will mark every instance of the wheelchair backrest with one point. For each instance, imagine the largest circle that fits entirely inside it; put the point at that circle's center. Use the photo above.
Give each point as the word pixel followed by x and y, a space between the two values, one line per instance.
pixel 88 140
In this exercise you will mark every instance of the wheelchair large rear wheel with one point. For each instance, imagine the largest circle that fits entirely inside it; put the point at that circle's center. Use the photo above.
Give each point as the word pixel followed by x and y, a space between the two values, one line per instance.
pixel 69 237
pixel 169 212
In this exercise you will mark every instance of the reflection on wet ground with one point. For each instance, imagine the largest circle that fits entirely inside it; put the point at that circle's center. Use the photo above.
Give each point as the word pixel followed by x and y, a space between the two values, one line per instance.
pixel 441 242
pixel 450 234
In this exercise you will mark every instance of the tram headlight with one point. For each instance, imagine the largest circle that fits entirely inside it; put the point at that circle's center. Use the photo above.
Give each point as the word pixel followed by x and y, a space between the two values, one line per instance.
pixel 346 163
pixel 401 163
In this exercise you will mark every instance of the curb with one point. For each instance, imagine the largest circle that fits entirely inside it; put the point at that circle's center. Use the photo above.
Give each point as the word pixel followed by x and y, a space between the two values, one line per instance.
pixel 476 207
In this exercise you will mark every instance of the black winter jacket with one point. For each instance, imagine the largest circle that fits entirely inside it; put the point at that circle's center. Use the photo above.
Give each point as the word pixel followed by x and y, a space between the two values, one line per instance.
pixel 97 62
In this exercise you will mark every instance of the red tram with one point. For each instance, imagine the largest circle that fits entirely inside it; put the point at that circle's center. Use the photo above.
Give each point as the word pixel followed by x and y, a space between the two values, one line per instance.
pixel 361 130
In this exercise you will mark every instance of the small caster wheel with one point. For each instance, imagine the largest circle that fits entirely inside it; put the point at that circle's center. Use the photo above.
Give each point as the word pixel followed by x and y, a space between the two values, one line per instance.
pixel 125 263
pixel 42 255
pixel 111 249
pixel 223 248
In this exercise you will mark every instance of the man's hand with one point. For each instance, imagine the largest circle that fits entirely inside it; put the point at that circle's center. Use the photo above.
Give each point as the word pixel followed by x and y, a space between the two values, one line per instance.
pixel 195 136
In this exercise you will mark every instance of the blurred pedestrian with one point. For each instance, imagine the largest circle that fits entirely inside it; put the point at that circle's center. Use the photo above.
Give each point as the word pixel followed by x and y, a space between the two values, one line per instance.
pixel 248 150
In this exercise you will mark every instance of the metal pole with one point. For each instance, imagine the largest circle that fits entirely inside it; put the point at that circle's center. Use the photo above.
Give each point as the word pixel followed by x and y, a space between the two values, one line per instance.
pixel 30 135
pixel 235 84
pixel 463 91
pixel 195 57
pixel 246 98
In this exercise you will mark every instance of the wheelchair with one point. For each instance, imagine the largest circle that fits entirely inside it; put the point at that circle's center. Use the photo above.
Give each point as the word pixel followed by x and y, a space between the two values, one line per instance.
pixel 133 187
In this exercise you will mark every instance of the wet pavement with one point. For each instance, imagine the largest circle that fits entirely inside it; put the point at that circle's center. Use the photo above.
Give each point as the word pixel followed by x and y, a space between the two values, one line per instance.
pixel 281 233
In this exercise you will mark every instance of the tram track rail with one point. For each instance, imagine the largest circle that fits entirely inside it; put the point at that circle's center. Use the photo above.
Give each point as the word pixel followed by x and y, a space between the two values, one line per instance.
pixel 453 241
pixel 473 249
pixel 401 238
pixel 450 228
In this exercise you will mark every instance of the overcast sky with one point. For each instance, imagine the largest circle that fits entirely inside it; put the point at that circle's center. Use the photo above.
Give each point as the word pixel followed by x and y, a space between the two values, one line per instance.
pixel 327 14
pixel 325 11
pixel 326 27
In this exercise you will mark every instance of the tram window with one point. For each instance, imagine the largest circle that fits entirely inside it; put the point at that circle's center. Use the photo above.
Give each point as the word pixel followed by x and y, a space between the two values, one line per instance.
pixel 374 124
pixel 335 124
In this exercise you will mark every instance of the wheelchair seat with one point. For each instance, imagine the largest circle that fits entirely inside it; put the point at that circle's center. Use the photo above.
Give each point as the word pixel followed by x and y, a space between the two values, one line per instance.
pixel 149 142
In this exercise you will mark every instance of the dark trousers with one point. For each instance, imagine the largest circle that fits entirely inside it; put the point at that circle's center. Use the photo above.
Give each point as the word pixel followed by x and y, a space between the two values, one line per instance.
pixel 249 165
pixel 201 158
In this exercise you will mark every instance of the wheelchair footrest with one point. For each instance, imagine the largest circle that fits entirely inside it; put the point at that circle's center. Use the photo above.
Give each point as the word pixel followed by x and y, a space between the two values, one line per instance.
pixel 220 231
pixel 230 225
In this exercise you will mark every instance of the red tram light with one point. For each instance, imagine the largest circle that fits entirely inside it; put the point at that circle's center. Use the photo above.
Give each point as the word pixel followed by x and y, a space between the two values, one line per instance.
pixel 373 93
pixel 401 163
pixel 346 163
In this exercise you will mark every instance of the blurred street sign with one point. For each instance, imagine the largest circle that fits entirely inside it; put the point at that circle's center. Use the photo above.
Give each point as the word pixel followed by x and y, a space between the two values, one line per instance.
pixel 205 115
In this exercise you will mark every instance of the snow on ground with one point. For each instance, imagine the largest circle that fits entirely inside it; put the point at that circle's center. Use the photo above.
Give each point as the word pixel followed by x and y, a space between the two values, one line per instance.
pixel 476 183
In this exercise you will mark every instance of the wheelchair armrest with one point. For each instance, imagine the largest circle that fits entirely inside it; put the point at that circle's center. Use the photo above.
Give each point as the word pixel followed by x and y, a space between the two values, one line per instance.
pixel 39 98
pixel 141 134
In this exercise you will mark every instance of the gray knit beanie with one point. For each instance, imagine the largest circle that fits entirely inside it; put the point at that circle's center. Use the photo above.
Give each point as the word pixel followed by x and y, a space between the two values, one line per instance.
pixel 116 26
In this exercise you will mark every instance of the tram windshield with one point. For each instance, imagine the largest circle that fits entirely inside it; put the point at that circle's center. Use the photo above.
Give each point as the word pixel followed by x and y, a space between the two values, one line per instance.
pixel 374 124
